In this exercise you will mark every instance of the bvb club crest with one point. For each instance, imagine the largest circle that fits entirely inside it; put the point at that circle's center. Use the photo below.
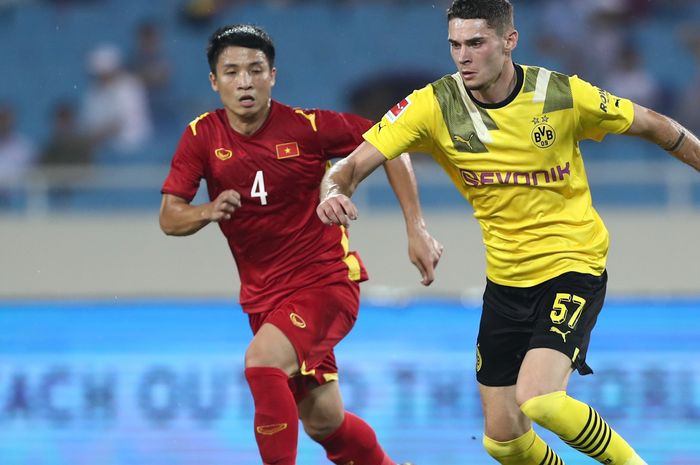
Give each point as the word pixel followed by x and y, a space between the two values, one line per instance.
pixel 543 135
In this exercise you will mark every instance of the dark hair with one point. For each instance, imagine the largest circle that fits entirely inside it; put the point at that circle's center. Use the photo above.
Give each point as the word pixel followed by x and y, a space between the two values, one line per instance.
pixel 239 35
pixel 497 13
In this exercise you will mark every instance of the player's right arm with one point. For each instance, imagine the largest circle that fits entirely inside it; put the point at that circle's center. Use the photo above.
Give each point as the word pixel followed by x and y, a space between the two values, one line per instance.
pixel 404 129
pixel 342 179
pixel 178 217
pixel 667 134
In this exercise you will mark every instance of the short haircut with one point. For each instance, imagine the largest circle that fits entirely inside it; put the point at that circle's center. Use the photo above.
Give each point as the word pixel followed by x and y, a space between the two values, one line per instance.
pixel 239 35
pixel 497 13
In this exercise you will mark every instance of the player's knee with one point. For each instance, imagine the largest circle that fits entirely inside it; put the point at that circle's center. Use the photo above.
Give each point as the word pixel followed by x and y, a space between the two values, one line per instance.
pixel 255 357
pixel 543 408
pixel 526 391
pixel 322 425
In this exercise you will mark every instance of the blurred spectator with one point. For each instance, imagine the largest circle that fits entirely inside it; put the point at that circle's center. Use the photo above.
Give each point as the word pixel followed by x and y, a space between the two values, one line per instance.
pixel 202 12
pixel 629 78
pixel 150 63
pixel 373 96
pixel 115 107
pixel 688 111
pixel 585 37
pixel 70 3
pixel 17 153
pixel 67 146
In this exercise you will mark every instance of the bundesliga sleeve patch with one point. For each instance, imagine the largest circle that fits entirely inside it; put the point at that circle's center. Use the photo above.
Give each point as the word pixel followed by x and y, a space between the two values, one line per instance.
pixel 396 111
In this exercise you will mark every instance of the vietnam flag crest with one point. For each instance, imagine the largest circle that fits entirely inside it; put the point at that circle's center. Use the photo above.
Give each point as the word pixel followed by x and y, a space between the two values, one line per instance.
pixel 288 150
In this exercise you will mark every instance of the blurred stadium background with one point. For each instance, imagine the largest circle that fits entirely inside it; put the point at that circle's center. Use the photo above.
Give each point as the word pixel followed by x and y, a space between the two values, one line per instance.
pixel 119 346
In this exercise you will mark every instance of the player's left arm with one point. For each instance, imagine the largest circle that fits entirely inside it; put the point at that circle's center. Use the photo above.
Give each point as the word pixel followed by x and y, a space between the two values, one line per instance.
pixel 667 134
pixel 423 250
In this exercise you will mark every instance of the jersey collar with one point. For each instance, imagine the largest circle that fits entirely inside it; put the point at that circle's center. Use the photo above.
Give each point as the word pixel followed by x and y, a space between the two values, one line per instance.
pixel 519 73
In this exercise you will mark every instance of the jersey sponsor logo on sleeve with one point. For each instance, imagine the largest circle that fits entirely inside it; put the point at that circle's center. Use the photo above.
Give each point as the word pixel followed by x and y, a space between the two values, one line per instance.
pixel 396 111
pixel 223 154
pixel 287 150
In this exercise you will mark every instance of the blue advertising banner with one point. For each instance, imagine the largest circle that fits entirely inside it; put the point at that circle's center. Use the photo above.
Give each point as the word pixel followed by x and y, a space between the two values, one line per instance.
pixel 161 382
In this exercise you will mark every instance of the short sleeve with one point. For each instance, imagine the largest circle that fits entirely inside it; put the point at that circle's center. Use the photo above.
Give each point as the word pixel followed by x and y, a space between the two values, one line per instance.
pixel 338 133
pixel 599 112
pixel 186 168
pixel 406 126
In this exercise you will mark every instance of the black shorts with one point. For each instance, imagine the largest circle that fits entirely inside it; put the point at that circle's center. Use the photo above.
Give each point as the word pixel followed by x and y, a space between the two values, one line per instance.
pixel 557 314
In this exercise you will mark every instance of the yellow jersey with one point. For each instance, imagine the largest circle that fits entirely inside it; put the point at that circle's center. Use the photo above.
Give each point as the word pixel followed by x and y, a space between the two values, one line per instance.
pixel 519 165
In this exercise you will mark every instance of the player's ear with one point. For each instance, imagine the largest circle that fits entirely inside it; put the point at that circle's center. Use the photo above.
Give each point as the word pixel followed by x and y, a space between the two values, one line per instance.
pixel 273 76
pixel 511 40
pixel 212 81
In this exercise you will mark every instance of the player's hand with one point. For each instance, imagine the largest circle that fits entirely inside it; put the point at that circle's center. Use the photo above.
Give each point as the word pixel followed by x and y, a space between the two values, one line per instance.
pixel 337 209
pixel 424 251
pixel 223 206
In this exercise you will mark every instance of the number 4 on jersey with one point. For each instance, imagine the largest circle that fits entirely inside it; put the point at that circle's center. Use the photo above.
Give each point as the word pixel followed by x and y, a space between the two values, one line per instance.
pixel 258 189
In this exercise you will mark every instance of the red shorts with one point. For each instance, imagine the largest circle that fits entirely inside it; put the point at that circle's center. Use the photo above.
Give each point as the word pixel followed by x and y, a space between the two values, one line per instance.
pixel 314 319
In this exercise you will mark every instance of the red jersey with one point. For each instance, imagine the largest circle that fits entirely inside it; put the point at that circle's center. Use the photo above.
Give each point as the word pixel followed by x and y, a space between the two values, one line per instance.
pixel 276 239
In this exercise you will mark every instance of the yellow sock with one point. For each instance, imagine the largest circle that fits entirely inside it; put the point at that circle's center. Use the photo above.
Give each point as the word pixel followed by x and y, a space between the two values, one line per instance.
pixel 528 449
pixel 581 427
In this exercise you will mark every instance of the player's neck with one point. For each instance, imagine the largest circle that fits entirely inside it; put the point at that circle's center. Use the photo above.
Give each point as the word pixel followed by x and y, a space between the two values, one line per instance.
pixel 501 88
pixel 247 126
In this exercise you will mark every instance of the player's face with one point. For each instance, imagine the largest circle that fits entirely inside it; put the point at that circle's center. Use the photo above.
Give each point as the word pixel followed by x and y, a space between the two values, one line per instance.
pixel 244 81
pixel 479 52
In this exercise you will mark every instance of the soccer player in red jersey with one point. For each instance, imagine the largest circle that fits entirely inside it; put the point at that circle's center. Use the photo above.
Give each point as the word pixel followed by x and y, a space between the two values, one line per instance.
pixel 263 162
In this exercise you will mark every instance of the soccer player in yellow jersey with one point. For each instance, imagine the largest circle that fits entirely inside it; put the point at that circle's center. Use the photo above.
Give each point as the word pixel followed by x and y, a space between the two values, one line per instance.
pixel 507 135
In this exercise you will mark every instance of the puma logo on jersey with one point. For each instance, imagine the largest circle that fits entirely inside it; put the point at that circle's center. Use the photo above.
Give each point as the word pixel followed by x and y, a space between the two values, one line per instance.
pixel 269 430
pixel 562 334
pixel 467 141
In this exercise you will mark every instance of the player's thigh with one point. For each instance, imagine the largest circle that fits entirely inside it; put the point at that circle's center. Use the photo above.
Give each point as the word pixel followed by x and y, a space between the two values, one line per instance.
pixel 270 347
pixel 315 319
pixel 503 420
pixel 504 335
pixel 543 371
pixel 321 410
